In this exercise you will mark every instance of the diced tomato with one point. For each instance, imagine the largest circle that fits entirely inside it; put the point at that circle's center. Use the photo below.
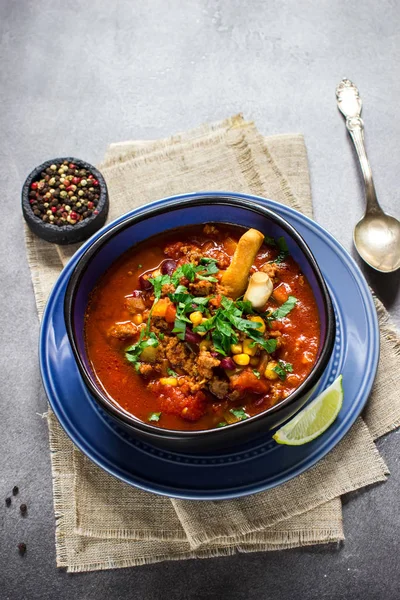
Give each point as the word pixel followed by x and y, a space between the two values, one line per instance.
pixel 170 313
pixel 247 380
pixel 229 246
pixel 216 301
pixel 175 401
pixel 281 293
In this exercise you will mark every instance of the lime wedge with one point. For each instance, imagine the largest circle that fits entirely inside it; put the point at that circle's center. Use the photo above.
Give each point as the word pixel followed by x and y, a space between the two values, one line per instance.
pixel 314 419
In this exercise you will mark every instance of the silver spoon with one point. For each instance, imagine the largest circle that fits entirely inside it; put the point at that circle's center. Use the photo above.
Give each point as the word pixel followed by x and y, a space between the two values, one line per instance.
pixel 377 234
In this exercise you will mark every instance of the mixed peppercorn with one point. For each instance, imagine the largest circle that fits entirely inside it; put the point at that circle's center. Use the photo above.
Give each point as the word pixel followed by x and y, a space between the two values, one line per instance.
pixel 65 194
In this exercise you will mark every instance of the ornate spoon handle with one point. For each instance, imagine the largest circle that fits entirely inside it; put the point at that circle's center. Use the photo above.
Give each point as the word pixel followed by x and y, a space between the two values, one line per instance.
pixel 350 105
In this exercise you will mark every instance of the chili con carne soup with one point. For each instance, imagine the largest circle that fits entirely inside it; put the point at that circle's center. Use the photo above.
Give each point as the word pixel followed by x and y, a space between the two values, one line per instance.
pixel 202 327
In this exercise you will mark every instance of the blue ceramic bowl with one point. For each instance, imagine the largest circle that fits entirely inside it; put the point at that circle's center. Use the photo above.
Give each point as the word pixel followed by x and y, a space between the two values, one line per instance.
pixel 198 209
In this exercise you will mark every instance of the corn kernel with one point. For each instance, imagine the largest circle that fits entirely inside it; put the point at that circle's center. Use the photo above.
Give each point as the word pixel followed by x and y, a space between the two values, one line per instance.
pixel 168 381
pixel 204 345
pixel 249 347
pixel 196 317
pixel 137 319
pixel 236 349
pixel 269 372
pixel 259 320
pixel 254 360
pixel 241 359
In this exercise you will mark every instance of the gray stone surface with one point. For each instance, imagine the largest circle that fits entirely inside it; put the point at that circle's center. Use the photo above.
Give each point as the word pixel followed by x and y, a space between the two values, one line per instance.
pixel 76 76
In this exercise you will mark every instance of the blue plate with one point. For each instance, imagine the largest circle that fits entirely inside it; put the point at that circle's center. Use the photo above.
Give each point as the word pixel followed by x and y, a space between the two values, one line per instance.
pixel 251 467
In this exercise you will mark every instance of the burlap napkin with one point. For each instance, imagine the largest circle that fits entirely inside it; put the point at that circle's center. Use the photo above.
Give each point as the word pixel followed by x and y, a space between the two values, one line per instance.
pixel 103 523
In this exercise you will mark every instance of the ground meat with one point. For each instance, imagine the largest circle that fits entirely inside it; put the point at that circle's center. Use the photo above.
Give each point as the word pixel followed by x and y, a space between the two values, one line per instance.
pixel 167 288
pixel 270 269
pixel 275 334
pixel 135 304
pixel 179 355
pixel 205 364
pixel 190 252
pixel 173 250
pixel 123 331
pixel 210 230
pixel 223 260
pixel 159 324
pixel 201 288
pixel 234 395
pixel 146 370
pixel 219 387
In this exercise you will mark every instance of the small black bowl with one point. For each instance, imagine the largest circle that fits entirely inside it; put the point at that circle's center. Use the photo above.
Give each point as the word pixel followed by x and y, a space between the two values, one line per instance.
pixel 136 227
pixel 66 234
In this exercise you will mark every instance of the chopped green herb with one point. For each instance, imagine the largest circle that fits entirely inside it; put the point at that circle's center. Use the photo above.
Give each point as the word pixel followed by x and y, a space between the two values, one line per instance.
pixel 246 307
pixel 205 260
pixel 132 353
pixel 179 329
pixel 257 373
pixel 154 416
pixel 172 373
pixel 239 413
pixel 161 335
pixel 158 282
pixel 207 278
pixel 139 266
pixel 283 250
pixel 285 309
pixel 222 424
pixel 187 270
pixel 282 368
pixel 269 241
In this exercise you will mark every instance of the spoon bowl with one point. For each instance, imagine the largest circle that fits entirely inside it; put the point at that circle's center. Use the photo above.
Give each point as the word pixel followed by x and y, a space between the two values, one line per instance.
pixel 376 235
pixel 377 240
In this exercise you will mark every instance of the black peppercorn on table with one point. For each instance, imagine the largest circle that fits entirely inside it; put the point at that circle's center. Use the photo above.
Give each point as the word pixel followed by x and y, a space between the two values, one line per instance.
pixel 76 77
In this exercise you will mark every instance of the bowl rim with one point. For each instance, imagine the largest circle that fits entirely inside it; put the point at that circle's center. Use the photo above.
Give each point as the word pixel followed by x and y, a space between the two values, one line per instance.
pixel 169 205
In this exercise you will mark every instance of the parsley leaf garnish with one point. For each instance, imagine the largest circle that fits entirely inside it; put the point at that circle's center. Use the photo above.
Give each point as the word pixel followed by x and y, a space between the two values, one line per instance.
pixel 132 353
pixel 222 424
pixel 283 250
pixel 257 373
pixel 179 329
pixel 158 282
pixel 239 413
pixel 269 241
pixel 282 368
pixel 284 309
pixel 172 373
pixel 154 416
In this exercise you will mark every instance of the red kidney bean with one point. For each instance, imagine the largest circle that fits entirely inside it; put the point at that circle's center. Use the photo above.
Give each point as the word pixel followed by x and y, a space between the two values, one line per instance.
pixel 191 337
pixel 168 267
pixel 227 363
pixel 145 284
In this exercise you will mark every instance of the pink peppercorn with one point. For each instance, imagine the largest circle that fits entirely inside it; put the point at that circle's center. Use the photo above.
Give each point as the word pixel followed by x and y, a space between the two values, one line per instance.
pixel 34 185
